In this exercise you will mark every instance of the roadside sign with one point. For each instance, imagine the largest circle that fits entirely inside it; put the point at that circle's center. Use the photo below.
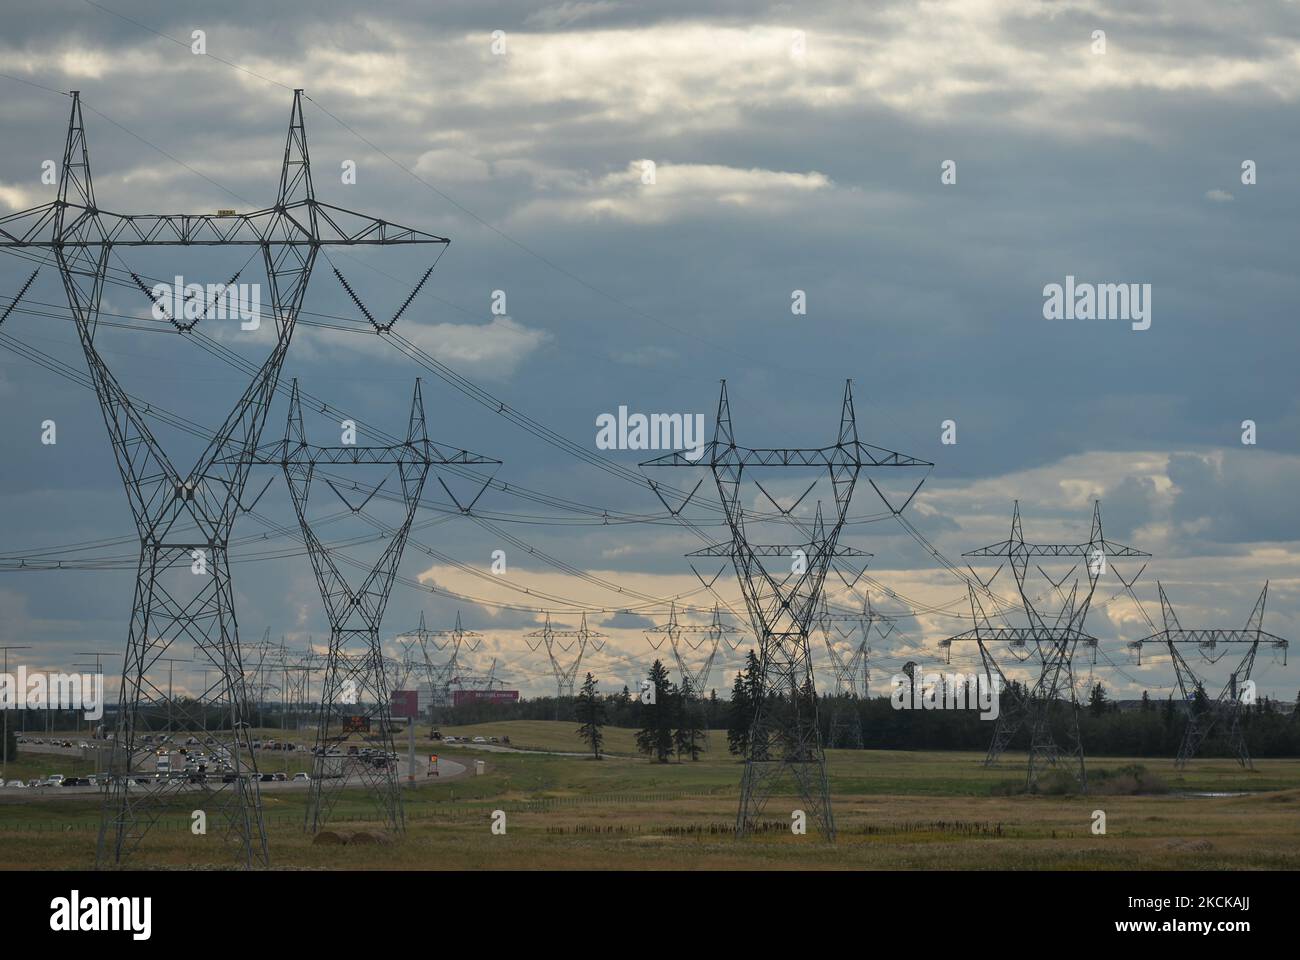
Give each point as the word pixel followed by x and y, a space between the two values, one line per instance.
pixel 356 724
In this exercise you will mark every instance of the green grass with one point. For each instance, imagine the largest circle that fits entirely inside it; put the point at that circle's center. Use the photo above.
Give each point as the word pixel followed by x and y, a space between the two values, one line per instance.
pixel 894 810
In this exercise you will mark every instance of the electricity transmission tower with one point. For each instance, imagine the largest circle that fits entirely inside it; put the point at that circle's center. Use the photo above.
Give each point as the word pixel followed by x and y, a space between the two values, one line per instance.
pixel 487 681
pixel 694 668
pixel 694 646
pixel 846 719
pixel 782 585
pixel 355 697
pixel 566 641
pixel 185 516
pixel 1054 637
pixel 1227 708
pixel 439 676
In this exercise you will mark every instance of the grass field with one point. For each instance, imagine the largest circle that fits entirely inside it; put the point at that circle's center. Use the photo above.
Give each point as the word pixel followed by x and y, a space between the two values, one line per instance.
pixel 893 810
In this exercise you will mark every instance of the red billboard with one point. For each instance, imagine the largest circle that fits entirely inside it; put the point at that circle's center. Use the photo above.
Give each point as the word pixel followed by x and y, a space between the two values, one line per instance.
pixel 461 697
pixel 406 703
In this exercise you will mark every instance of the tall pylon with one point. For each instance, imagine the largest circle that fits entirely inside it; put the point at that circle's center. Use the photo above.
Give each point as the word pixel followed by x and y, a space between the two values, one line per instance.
pixel 439 676
pixel 565 641
pixel 850 668
pixel 1054 637
pixel 184 517
pixel 785 741
pixel 1238 691
pixel 356 693
pixel 694 646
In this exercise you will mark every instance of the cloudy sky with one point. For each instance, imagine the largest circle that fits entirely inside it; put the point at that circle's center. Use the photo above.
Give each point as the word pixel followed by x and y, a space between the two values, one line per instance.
pixel 792 147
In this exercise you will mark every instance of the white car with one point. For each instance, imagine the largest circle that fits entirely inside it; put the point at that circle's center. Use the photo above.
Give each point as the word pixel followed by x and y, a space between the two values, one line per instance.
pixel 54 780
pixel 15 783
pixel 301 777
pixel 480 739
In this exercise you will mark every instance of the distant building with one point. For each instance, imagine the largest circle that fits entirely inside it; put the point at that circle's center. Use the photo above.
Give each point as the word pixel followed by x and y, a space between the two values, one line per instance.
pixel 460 697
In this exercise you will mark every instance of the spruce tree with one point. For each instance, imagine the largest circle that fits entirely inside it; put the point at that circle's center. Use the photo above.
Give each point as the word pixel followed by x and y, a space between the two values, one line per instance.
pixel 740 715
pixel 590 711
pixel 655 738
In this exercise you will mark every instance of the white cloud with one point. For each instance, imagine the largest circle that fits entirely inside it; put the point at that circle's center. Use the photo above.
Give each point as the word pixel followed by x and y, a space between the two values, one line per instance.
pixel 679 190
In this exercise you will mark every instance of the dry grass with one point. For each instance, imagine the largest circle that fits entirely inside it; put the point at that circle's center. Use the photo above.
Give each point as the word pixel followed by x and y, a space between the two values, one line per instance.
pixel 894 810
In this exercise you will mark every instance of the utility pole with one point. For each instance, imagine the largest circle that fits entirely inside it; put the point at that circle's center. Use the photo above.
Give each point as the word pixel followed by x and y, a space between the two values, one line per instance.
pixel 171 698
pixel 4 744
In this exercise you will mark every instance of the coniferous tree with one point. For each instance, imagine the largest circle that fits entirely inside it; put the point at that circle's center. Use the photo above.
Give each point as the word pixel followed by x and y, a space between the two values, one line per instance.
pixel 688 738
pixel 740 713
pixel 1147 705
pixel 590 710
pixel 1097 700
pixel 655 738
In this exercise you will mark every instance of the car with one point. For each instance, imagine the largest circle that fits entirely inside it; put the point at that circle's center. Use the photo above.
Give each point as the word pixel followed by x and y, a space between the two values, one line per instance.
pixel 267 777
pixel 229 777
pixel 301 777
pixel 15 783
pixel 83 745
pixel 280 777
pixel 54 779
pixel 495 739
pixel 480 739
pixel 191 741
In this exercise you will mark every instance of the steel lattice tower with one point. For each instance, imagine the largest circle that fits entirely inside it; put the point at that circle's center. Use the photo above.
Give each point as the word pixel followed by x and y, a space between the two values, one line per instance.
pixel 785 742
pixel 1226 709
pixel 180 511
pixel 701 640
pixel 565 640
pixel 846 719
pixel 355 695
pixel 439 676
pixel 1055 639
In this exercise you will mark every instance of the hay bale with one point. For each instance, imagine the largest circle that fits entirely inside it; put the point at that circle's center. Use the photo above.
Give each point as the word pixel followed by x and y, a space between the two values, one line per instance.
pixel 364 837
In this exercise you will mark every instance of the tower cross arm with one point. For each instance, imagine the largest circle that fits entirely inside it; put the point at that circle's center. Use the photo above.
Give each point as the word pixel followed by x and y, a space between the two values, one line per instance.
pixel 1022 634
pixel 280 452
pixel 290 224
pixel 772 550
